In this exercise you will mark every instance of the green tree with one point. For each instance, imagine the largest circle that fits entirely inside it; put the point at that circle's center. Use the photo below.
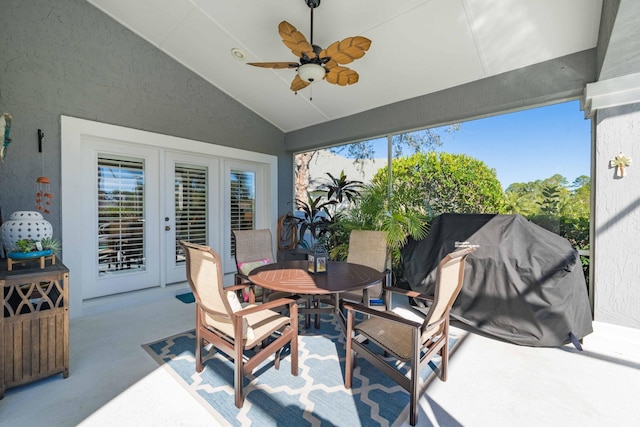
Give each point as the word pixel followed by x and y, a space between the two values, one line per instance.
pixel 516 202
pixel 557 206
pixel 550 204
pixel 378 209
pixel 394 212
pixel 423 185
pixel 436 183
pixel 581 198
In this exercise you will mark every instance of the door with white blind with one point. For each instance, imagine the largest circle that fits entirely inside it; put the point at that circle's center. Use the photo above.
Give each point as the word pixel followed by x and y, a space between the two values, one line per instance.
pixel 122 219
pixel 188 207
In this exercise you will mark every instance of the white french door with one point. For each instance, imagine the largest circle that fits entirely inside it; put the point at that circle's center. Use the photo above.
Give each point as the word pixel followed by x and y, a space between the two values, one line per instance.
pixel 188 199
pixel 130 229
pixel 128 196
pixel 120 198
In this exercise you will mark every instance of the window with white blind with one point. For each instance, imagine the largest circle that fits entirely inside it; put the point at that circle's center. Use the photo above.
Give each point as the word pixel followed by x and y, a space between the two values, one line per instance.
pixel 243 202
pixel 190 206
pixel 120 214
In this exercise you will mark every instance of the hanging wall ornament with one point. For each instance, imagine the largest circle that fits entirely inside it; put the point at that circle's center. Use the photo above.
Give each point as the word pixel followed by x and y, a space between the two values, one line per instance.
pixel 620 162
pixel 5 129
pixel 43 194
pixel 43 184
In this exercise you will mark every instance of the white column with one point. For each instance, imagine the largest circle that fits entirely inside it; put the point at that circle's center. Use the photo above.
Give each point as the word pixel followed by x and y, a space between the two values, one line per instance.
pixel 614 105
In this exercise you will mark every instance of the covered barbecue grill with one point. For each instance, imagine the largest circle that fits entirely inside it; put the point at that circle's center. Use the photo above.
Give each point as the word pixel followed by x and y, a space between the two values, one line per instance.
pixel 524 284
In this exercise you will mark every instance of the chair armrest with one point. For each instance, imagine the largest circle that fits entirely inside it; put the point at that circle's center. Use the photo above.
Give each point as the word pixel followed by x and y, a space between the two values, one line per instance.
pixel 240 278
pixel 242 281
pixel 409 293
pixel 266 306
pixel 388 315
pixel 211 312
pixel 235 287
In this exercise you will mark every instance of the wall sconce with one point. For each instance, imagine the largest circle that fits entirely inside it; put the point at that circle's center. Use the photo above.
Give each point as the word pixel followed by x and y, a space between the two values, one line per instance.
pixel 620 162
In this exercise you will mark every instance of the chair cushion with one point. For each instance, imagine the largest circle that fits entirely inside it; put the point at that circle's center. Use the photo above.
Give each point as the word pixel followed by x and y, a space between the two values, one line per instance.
pixel 246 267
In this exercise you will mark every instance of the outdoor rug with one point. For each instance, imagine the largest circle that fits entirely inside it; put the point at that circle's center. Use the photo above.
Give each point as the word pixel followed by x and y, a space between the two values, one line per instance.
pixel 316 397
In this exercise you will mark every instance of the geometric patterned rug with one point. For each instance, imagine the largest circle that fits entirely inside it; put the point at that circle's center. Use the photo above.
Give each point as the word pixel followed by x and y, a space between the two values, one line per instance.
pixel 316 397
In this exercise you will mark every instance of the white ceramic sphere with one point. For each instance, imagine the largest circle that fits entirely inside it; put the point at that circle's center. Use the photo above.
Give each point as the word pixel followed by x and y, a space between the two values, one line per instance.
pixel 24 225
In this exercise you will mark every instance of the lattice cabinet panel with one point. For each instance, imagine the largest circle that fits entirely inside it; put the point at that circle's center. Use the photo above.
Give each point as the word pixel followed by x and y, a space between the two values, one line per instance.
pixel 34 328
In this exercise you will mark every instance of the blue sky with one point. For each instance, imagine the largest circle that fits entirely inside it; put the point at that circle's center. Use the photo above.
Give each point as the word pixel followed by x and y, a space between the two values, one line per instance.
pixel 528 145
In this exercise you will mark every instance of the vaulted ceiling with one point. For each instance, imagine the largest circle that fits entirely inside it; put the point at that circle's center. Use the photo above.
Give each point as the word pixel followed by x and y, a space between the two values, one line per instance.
pixel 418 46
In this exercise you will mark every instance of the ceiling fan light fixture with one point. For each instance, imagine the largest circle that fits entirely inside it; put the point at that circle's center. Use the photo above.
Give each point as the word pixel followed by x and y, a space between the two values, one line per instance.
pixel 311 72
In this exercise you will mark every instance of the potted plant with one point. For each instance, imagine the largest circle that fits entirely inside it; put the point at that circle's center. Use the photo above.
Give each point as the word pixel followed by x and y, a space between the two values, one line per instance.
pixel 50 243
pixel 30 248
pixel 26 245
pixel 318 214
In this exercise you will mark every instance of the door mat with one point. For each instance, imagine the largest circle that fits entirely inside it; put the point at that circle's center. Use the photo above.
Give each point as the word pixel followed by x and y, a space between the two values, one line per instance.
pixel 187 298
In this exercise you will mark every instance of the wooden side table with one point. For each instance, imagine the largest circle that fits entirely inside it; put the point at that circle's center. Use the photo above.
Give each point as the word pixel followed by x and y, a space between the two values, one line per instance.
pixel 34 327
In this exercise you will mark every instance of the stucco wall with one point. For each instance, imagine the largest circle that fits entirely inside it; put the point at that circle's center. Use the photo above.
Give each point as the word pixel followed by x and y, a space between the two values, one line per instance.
pixel 67 57
pixel 616 218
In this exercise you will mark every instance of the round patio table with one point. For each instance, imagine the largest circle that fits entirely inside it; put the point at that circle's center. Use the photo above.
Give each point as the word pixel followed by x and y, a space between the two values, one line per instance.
pixel 293 277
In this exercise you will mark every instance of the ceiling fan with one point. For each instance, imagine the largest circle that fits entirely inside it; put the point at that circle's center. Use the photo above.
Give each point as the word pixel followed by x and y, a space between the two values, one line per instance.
pixel 317 63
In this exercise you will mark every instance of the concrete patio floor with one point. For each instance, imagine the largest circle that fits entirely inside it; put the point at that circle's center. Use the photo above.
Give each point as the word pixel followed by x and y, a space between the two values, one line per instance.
pixel 114 382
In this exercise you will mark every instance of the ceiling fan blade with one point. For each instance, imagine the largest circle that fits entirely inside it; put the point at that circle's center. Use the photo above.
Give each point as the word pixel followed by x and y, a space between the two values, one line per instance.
pixel 298 84
pixel 342 76
pixel 274 64
pixel 347 50
pixel 330 64
pixel 294 40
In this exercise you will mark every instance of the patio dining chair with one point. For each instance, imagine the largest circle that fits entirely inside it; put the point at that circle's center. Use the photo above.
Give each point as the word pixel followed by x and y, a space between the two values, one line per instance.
pixel 368 247
pixel 254 248
pixel 248 335
pixel 384 333
pixel 288 238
